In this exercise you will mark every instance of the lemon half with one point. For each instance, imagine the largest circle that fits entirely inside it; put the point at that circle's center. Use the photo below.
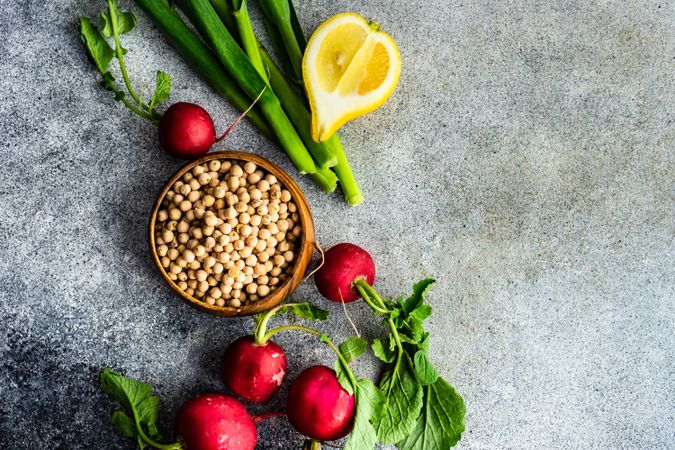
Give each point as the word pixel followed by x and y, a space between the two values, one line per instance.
pixel 350 68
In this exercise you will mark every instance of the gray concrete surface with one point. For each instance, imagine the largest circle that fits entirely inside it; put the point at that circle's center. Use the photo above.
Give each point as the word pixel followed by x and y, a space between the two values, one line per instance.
pixel 526 161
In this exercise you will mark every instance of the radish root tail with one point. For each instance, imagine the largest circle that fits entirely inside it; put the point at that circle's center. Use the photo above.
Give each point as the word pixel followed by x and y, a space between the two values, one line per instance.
pixel 241 116
pixel 323 260
pixel 344 309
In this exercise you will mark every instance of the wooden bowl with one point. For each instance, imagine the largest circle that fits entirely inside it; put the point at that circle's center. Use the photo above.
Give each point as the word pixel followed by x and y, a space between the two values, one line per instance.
pixel 302 259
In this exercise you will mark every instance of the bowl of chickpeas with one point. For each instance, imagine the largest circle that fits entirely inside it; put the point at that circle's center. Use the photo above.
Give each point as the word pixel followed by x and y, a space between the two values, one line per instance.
pixel 232 234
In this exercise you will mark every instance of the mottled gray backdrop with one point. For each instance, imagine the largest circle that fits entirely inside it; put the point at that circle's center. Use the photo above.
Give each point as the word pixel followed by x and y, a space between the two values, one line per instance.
pixel 526 160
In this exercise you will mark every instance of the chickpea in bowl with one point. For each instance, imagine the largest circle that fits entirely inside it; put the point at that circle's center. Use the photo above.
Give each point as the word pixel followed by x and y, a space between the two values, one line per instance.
pixel 232 233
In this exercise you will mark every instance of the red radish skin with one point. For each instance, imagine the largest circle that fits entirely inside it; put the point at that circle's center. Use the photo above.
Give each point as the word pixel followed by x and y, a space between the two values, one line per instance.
pixel 318 407
pixel 254 371
pixel 186 131
pixel 343 264
pixel 215 422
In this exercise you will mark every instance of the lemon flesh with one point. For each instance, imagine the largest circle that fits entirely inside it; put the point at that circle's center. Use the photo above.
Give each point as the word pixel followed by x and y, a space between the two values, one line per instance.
pixel 350 68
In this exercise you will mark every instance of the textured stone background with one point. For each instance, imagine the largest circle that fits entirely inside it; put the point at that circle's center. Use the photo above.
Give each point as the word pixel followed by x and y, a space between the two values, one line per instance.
pixel 526 161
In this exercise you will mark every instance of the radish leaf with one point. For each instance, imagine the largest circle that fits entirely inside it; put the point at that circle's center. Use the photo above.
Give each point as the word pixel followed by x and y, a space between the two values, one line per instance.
pixel 136 397
pixel 162 89
pixel 98 49
pixel 417 298
pixel 421 313
pixel 369 400
pixel 343 378
pixel 381 352
pixel 304 310
pixel 127 391
pixel 352 348
pixel 421 410
pixel 126 21
pixel 309 311
pixel 426 373
pixel 441 422
pixel 402 404
pixel 124 424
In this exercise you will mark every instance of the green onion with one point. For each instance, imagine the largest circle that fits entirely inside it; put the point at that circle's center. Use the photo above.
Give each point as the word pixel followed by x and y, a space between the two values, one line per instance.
pixel 281 14
pixel 240 68
pixel 324 155
pixel 301 117
pixel 201 60
pixel 246 35
pixel 291 102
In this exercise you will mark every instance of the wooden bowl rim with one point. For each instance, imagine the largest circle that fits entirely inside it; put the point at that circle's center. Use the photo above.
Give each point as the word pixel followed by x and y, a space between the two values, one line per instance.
pixel 302 259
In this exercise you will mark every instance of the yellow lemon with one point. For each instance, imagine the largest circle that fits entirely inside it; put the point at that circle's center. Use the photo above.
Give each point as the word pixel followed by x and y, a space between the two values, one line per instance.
pixel 350 68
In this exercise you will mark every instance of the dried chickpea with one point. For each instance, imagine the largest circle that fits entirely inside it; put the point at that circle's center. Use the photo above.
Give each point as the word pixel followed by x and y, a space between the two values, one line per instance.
pixel 219 192
pixel 175 213
pixel 249 167
pixel 201 275
pixel 194 196
pixel 208 201
pixel 278 260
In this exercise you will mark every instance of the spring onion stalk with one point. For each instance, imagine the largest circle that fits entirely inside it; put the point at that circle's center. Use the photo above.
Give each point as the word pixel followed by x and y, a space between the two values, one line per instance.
pixel 297 111
pixel 350 187
pixel 246 35
pixel 281 13
pixel 240 68
pixel 324 155
pixel 224 10
pixel 199 57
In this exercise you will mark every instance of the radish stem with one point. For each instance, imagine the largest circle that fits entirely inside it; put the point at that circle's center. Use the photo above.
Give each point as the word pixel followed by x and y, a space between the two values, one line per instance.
pixel 120 54
pixel 366 298
pixel 324 338
pixel 311 444
pixel 366 292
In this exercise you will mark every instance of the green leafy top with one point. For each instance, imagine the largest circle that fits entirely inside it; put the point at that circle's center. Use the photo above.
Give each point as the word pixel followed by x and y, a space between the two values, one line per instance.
pixel 420 409
pixel 126 21
pixel 348 351
pixel 304 310
pixel 114 23
pixel 98 50
pixel 136 398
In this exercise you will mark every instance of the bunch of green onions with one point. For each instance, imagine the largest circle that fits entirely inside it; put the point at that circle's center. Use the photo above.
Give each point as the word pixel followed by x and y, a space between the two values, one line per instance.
pixel 229 56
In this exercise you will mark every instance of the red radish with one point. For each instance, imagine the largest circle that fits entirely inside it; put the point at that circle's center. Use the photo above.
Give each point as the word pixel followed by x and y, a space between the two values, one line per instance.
pixel 186 131
pixel 254 371
pixel 215 422
pixel 318 407
pixel 343 264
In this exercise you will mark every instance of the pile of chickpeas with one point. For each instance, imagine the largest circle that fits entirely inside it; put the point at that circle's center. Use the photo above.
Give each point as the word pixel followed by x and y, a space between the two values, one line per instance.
pixel 227 233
